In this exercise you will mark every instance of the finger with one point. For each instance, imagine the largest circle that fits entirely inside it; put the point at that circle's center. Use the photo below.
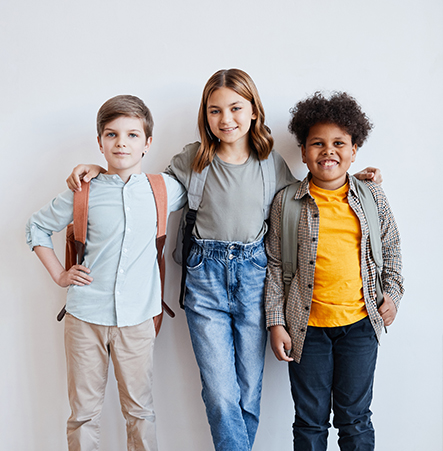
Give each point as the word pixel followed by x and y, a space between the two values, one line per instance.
pixel 389 319
pixel 73 185
pixel 80 280
pixel 81 268
pixel 81 274
pixel 282 357
pixel 284 353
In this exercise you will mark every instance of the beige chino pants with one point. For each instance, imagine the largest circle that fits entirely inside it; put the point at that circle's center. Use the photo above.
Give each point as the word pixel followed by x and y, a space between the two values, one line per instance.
pixel 88 348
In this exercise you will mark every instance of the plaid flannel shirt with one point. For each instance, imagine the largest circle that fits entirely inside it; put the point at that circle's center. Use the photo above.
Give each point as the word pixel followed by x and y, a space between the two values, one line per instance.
pixel 294 313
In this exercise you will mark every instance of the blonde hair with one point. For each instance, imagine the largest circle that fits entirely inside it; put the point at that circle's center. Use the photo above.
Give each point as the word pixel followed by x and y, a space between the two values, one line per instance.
pixel 260 138
pixel 124 105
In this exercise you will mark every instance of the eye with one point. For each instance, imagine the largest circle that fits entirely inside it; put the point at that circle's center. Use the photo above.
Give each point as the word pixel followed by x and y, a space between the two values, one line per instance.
pixel 236 108
pixel 133 135
pixel 338 143
pixel 317 143
pixel 214 111
pixel 110 135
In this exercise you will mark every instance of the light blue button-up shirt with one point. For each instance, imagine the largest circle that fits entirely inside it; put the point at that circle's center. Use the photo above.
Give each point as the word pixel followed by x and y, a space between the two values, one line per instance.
pixel 120 248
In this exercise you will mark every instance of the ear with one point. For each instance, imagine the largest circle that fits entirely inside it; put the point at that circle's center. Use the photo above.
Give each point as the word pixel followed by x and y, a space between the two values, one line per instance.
pixel 254 113
pixel 100 144
pixel 147 145
pixel 303 153
pixel 354 153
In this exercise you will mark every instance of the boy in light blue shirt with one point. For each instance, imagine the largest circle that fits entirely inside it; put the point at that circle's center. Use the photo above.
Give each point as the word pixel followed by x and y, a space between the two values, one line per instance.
pixel 116 291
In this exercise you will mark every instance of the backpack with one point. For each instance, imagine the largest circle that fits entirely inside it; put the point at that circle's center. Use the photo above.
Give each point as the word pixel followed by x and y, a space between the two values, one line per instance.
pixel 195 194
pixel 291 210
pixel 76 235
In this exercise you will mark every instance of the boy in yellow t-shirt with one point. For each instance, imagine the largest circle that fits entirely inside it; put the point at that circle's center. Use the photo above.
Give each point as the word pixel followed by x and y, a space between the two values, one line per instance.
pixel 328 328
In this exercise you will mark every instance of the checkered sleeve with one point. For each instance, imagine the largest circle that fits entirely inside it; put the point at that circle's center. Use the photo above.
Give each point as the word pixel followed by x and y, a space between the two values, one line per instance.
pixel 274 287
pixel 393 281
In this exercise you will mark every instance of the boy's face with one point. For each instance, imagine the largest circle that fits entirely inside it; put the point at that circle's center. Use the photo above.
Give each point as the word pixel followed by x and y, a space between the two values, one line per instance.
pixel 328 154
pixel 123 143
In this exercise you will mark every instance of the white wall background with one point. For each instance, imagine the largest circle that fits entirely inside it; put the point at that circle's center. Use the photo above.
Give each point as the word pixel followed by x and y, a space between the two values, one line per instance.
pixel 61 60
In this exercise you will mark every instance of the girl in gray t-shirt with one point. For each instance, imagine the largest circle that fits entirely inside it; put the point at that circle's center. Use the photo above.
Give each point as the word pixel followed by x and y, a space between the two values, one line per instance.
pixel 226 266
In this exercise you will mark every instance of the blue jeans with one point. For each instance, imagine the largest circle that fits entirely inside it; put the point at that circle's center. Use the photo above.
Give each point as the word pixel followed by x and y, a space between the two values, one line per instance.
pixel 224 309
pixel 337 363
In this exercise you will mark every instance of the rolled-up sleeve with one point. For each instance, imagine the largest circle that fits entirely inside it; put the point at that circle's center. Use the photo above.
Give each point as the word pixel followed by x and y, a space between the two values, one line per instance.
pixel 53 217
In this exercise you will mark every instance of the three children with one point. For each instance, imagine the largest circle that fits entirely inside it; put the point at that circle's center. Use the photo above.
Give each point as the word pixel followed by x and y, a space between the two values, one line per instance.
pixel 330 323
pixel 227 263
pixel 115 293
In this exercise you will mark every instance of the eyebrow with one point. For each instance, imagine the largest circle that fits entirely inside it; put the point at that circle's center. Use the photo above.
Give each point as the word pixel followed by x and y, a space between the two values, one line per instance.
pixel 321 137
pixel 113 130
pixel 231 104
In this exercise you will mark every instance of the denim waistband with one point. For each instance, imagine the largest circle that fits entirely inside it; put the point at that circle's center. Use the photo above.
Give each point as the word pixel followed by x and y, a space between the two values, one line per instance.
pixel 224 249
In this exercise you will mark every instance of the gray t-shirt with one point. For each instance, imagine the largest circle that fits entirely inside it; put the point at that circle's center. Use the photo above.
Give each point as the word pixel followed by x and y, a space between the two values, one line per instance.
pixel 232 204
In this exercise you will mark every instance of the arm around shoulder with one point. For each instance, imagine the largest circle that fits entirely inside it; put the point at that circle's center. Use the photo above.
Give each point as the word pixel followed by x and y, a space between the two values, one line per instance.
pixel 180 165
pixel 177 194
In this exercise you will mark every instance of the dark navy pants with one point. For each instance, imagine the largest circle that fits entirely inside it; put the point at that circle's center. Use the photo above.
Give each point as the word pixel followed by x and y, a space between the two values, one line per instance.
pixel 336 370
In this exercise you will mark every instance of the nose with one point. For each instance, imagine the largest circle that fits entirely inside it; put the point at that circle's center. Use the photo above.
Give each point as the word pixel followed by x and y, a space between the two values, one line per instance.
pixel 226 117
pixel 121 142
pixel 329 149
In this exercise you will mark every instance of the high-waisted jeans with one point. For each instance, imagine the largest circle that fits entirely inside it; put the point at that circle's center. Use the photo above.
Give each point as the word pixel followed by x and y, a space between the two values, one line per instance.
pixel 225 313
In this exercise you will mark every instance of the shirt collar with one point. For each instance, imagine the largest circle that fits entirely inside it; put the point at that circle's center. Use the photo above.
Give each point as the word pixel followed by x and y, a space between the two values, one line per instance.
pixel 117 180
pixel 303 189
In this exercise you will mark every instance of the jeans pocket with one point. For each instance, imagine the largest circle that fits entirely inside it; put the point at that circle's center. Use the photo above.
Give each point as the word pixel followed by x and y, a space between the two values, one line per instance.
pixel 195 261
pixel 259 260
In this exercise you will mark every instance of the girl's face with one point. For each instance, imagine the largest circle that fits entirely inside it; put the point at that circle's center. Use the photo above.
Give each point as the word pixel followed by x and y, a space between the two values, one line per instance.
pixel 229 116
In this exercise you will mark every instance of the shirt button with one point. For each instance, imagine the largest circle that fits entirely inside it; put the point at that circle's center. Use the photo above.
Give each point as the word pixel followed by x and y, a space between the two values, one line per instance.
pixel 315 215
pixel 125 250
pixel 129 230
pixel 231 247
pixel 118 292
pixel 314 239
pixel 121 271
pixel 309 285
pixel 306 308
pixel 311 262
pixel 230 257
pixel 128 208
pixel 302 330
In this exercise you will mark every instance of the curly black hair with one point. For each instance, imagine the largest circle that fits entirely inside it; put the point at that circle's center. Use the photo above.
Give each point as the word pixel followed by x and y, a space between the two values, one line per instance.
pixel 340 109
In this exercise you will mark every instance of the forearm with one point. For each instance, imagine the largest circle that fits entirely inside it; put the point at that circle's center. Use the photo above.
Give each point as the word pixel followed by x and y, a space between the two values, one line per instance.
pixel 76 275
pixel 50 262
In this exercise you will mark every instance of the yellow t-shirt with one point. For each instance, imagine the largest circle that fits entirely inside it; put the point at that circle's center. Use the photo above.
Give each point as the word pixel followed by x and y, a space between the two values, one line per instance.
pixel 338 290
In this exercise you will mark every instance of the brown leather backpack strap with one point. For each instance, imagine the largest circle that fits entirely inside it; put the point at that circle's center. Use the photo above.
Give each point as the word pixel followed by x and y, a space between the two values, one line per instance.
pixel 76 233
pixel 81 206
pixel 161 204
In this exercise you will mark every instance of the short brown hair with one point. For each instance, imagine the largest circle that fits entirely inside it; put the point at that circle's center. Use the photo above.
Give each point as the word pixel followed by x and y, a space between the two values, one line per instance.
pixel 124 105
pixel 260 138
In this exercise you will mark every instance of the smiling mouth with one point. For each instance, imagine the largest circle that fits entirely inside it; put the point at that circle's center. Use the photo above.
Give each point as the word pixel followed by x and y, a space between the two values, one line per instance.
pixel 328 163
pixel 228 130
